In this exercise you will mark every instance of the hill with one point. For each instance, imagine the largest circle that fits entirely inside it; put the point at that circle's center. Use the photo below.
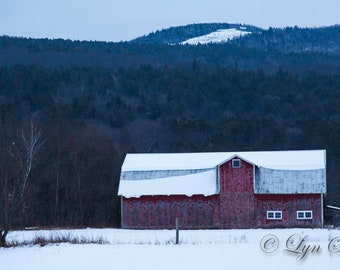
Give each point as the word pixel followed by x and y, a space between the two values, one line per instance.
pixel 287 40
pixel 179 34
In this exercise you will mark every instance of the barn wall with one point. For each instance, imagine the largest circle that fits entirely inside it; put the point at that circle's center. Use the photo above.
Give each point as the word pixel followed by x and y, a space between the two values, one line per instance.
pixel 160 212
pixel 237 207
pixel 289 205
pixel 241 208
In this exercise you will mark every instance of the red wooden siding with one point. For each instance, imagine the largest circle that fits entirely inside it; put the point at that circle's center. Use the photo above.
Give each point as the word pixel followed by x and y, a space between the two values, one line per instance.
pixel 289 204
pixel 237 208
pixel 158 212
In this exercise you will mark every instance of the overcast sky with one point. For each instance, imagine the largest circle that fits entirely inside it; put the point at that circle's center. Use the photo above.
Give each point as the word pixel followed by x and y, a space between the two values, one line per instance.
pixel 116 20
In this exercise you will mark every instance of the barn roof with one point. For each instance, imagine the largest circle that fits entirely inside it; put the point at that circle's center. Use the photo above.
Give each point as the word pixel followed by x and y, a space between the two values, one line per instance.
pixel 286 160
pixel 195 173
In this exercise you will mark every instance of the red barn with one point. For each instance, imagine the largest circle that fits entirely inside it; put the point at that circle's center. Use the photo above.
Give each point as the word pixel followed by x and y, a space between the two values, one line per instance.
pixel 229 190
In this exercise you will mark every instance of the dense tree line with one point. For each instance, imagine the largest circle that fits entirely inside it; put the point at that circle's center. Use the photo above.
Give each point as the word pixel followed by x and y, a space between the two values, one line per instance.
pixel 296 50
pixel 89 118
pixel 295 39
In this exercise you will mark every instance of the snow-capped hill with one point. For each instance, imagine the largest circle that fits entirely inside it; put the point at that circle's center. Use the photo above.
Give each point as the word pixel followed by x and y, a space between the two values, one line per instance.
pixel 222 35
pixel 181 34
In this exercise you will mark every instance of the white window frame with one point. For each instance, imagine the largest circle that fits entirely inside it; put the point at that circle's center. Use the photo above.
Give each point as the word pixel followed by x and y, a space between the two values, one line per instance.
pixel 274 215
pixel 239 163
pixel 304 212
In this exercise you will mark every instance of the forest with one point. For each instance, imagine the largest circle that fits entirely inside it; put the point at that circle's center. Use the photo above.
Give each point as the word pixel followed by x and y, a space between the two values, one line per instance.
pixel 65 128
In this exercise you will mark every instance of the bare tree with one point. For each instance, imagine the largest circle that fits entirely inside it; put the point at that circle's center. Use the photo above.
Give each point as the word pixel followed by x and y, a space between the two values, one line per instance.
pixel 4 207
pixel 15 170
pixel 24 155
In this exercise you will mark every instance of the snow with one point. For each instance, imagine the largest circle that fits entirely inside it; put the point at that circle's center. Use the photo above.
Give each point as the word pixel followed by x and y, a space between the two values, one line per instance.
pixel 222 35
pixel 155 249
pixel 197 183
pixel 283 160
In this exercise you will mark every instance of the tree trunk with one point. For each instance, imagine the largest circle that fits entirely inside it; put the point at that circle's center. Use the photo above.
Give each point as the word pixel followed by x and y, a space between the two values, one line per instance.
pixel 3 234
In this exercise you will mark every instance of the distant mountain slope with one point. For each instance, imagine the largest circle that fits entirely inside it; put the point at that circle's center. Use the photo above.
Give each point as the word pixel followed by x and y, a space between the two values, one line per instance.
pixel 289 39
pixel 179 34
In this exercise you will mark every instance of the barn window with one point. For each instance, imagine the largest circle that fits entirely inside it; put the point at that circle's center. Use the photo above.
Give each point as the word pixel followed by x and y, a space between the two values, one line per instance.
pixel 274 214
pixel 236 163
pixel 304 214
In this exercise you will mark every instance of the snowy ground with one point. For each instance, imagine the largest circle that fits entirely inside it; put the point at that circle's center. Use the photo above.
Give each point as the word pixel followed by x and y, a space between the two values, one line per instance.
pixel 201 249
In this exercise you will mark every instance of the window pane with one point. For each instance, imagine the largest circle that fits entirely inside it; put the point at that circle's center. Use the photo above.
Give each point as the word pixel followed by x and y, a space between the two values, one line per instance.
pixel 300 215
pixel 278 215
pixel 236 163
pixel 270 215
pixel 308 214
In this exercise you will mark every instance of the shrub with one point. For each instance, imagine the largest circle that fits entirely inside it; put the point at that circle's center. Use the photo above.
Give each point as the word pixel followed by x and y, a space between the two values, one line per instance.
pixel 43 240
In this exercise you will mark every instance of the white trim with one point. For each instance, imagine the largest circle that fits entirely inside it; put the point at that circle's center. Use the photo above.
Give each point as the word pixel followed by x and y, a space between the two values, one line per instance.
pixel 236 156
pixel 333 207
pixel 218 180
pixel 304 214
pixel 322 213
pixel 254 171
pixel 274 215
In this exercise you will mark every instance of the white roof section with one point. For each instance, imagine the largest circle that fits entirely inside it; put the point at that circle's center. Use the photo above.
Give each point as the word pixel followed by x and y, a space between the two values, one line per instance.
pixel 283 160
pixel 197 183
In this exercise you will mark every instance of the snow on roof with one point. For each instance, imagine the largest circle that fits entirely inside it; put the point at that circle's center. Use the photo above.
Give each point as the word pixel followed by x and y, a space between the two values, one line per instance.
pixel 283 160
pixel 188 184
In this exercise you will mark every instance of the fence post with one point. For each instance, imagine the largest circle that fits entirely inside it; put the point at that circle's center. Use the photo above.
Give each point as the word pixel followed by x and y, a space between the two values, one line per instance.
pixel 177 232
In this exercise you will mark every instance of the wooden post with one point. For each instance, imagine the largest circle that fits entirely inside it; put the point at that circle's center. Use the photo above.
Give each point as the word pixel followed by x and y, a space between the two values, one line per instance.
pixel 177 232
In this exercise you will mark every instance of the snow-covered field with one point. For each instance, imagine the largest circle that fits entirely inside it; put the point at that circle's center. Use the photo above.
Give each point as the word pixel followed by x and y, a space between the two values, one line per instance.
pixel 198 249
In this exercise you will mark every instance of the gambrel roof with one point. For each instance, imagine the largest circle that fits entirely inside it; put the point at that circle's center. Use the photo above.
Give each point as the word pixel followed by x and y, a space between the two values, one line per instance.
pixel 278 172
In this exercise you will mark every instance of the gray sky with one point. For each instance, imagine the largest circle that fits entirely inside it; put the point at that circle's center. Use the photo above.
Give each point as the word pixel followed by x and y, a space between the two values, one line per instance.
pixel 116 20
